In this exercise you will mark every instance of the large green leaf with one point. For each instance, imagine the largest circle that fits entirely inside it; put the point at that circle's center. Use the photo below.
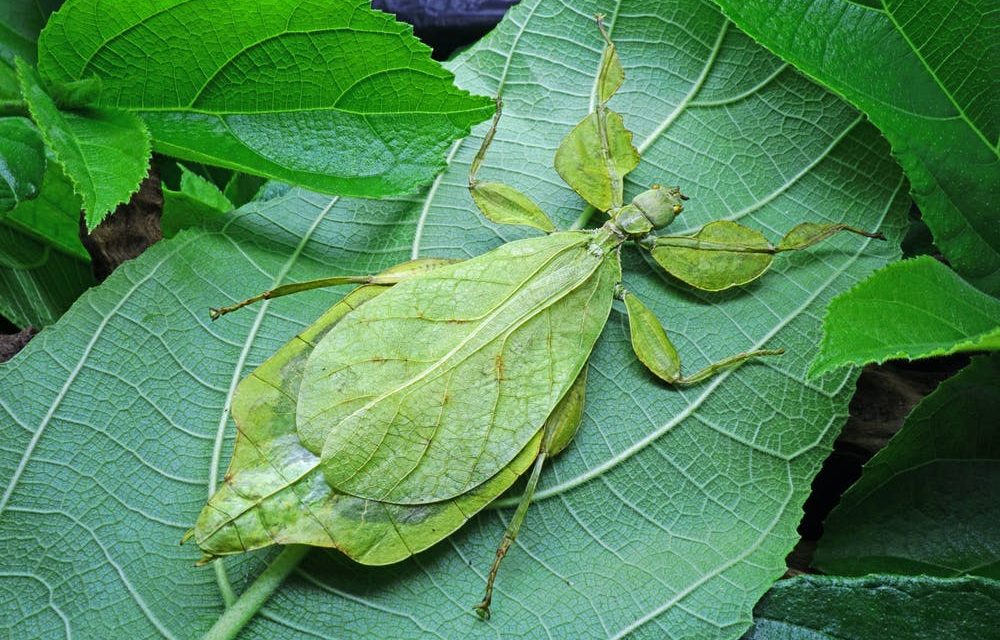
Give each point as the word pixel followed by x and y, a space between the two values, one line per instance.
pixel 37 283
pixel 925 73
pixel 670 513
pixel 878 606
pixel 915 308
pixel 926 504
pixel 327 94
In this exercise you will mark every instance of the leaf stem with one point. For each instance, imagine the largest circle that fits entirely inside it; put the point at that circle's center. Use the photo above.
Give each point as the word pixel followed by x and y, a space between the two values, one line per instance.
pixel 250 601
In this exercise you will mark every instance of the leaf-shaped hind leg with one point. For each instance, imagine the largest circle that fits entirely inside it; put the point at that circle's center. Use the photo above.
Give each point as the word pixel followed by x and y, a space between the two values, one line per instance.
pixel 390 276
pixel 560 427
pixel 654 349
pixel 502 203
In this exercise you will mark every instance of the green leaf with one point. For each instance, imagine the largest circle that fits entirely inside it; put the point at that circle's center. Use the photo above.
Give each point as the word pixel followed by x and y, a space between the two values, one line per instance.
pixel 668 502
pixel 20 23
pixel 905 608
pixel 924 73
pixel 37 283
pixel 926 503
pixel 22 162
pixel 9 89
pixel 327 94
pixel 54 216
pixel 105 152
pixel 196 201
pixel 241 188
pixel 912 309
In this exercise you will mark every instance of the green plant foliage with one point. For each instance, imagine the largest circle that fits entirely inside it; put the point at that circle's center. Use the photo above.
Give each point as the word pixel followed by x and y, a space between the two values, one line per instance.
pixel 22 162
pixel 105 152
pixel 54 216
pixel 916 308
pixel 905 607
pixel 195 201
pixel 666 503
pixel 327 94
pixel 37 283
pixel 926 504
pixel 20 23
pixel 924 73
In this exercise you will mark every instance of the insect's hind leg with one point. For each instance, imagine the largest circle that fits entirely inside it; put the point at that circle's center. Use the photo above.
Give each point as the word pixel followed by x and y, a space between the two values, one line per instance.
pixel 510 534
pixel 560 428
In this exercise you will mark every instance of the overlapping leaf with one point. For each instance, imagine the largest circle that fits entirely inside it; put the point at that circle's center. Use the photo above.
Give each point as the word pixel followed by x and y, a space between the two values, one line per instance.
pixel 105 152
pixel 327 94
pixel 833 608
pixel 926 503
pixel 20 23
pixel 22 162
pixel 912 309
pixel 54 215
pixel 667 504
pixel 924 72
pixel 37 282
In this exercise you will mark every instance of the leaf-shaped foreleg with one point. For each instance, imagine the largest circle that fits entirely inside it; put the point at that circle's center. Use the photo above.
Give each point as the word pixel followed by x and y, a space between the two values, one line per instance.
pixel 502 203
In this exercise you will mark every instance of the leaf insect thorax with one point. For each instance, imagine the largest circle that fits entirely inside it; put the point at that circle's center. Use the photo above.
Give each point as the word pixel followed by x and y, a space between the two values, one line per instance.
pixel 377 408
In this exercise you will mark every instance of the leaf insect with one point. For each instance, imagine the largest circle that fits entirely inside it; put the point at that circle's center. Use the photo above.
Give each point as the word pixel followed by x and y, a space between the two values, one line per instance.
pixel 428 391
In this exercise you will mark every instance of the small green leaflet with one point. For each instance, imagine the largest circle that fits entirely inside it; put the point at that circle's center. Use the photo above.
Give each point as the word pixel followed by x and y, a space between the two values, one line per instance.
pixel 22 162
pixel 327 94
pixel 105 152
pixel 916 308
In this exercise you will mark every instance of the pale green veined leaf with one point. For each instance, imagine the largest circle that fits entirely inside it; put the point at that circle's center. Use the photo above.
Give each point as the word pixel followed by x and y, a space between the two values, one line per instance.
pixel 667 502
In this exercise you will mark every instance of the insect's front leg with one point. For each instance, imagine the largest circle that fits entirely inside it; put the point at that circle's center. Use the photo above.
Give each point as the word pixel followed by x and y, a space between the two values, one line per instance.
pixel 390 276
pixel 654 349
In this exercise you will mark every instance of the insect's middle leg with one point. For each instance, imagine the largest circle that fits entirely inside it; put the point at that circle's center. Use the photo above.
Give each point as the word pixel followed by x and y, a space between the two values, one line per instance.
pixel 654 349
